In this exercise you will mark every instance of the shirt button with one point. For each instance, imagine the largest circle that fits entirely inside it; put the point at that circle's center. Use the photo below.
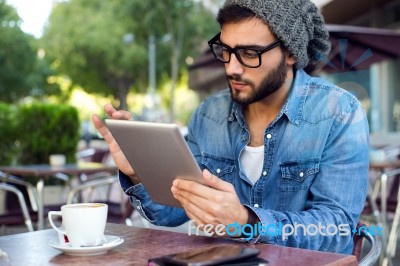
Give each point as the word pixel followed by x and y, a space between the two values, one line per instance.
pixel 301 174
pixel 265 173
pixel 218 171
pixel 256 205
pixel 269 136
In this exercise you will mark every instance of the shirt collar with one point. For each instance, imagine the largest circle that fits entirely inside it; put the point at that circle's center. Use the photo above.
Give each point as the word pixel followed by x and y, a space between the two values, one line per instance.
pixel 293 107
pixel 237 113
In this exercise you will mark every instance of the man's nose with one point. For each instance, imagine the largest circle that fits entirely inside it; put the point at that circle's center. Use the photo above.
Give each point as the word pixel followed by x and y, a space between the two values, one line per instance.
pixel 234 67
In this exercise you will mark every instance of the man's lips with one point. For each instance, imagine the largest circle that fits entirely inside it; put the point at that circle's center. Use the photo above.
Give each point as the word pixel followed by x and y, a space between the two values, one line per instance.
pixel 238 85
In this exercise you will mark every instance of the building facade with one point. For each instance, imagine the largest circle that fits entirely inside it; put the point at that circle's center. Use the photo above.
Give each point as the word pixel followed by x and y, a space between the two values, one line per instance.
pixel 378 87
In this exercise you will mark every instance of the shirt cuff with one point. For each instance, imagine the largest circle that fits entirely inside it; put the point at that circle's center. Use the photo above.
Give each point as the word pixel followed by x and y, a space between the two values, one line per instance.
pixel 131 189
pixel 136 193
pixel 266 219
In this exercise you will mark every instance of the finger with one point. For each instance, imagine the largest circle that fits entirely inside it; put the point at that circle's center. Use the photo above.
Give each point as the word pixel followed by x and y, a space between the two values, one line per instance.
pixel 193 212
pixel 215 182
pixel 189 198
pixel 193 188
pixel 109 109
pixel 117 114
pixel 102 128
pixel 195 216
pixel 112 144
pixel 197 205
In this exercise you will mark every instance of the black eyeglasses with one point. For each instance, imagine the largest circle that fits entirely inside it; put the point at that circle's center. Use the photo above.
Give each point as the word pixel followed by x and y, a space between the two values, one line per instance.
pixel 248 56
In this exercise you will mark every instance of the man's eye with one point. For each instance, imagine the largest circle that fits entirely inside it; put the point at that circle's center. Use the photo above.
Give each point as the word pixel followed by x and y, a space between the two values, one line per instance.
pixel 224 49
pixel 251 54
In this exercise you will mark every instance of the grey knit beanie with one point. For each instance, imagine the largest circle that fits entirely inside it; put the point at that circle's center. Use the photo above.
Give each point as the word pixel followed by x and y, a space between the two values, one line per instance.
pixel 298 23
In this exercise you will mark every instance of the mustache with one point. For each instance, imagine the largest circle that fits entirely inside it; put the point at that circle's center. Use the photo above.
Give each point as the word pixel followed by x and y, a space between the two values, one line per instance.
pixel 237 78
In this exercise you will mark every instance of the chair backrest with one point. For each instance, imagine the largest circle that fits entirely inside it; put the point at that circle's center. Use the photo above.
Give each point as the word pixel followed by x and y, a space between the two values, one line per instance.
pixel 16 218
pixel 358 241
pixel 393 192
pixel 27 189
pixel 98 155
pixel 376 246
pixel 89 186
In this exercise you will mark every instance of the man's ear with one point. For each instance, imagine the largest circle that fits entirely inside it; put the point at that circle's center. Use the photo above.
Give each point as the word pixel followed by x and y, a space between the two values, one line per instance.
pixel 290 60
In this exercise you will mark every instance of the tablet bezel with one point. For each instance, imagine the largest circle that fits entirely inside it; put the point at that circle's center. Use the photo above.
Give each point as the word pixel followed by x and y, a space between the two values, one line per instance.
pixel 154 151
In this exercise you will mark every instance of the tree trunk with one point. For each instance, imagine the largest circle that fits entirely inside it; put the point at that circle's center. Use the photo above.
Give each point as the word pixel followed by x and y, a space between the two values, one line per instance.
pixel 176 54
pixel 123 90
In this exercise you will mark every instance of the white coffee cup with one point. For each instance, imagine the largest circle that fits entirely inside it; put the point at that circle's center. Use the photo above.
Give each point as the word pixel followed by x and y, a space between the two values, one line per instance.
pixel 57 159
pixel 84 223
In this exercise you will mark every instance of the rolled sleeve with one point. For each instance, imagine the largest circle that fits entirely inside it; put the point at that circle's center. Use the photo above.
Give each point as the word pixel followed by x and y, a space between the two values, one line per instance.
pixel 156 214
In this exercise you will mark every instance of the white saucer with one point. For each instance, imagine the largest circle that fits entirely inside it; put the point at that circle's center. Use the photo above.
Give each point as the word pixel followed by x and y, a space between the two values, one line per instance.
pixel 111 242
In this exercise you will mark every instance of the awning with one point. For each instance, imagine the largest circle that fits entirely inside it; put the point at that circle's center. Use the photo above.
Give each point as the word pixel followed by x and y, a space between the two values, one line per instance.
pixel 353 48
pixel 356 48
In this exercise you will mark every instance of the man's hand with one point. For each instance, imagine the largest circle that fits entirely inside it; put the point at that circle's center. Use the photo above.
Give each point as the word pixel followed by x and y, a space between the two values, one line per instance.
pixel 118 156
pixel 214 203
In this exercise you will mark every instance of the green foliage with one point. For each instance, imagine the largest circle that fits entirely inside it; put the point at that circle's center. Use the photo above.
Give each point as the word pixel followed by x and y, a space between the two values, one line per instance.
pixel 22 73
pixel 16 57
pixel 86 39
pixel 8 133
pixel 103 45
pixel 47 129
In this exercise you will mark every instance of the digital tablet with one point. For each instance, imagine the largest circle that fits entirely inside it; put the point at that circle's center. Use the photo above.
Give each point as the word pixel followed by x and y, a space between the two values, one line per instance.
pixel 158 153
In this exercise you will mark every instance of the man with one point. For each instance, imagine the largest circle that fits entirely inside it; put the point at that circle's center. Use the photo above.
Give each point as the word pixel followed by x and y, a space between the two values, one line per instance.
pixel 279 148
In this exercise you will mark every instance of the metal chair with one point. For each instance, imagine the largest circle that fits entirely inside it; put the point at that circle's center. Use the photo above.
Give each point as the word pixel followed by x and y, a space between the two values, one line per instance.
pixel 94 155
pixel 376 246
pixel 391 205
pixel 20 217
pixel 15 212
pixel 30 189
pixel 384 199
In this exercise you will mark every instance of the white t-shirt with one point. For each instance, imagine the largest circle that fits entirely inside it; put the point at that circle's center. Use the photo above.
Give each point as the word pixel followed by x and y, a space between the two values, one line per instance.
pixel 252 159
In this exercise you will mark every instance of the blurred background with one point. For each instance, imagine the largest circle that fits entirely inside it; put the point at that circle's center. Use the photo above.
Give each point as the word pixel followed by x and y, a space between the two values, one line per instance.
pixel 151 57
pixel 134 54
pixel 62 60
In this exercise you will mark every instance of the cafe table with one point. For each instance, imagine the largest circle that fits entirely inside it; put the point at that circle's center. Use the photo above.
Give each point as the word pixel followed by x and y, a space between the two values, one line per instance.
pixel 140 244
pixel 43 172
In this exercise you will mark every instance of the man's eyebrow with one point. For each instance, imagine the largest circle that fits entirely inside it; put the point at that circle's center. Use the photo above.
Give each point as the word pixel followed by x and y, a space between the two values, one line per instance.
pixel 251 46
pixel 241 46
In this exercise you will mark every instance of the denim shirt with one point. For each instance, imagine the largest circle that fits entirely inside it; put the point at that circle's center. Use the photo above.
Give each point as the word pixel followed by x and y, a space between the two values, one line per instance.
pixel 315 169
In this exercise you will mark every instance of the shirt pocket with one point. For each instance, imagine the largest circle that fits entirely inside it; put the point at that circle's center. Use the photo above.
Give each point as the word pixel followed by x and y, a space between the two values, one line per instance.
pixel 296 172
pixel 295 182
pixel 219 166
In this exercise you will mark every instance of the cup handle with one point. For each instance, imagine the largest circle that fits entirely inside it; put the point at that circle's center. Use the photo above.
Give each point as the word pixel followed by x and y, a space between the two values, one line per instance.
pixel 55 213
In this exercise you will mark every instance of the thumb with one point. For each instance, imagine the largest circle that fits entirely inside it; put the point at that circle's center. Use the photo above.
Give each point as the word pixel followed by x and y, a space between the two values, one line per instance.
pixel 215 182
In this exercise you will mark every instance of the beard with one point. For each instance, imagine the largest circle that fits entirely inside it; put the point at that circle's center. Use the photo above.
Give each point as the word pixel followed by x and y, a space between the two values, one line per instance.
pixel 271 83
